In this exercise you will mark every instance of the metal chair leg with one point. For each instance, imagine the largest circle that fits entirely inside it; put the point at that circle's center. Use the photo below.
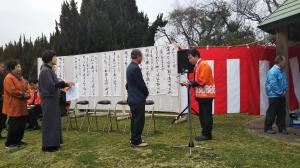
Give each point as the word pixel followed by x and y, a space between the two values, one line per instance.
pixel 88 118
pixel 83 121
pixel 96 118
pixel 153 118
pixel 69 122
pixel 150 122
pixel 110 121
pixel 116 118
pixel 107 118
pixel 75 118
pixel 125 124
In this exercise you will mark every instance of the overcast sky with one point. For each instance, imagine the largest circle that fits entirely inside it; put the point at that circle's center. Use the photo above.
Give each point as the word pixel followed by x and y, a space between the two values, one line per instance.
pixel 34 17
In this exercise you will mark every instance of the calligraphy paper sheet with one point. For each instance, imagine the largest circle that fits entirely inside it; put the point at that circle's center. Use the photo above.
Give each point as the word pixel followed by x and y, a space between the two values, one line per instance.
pixel 111 72
pixel 60 68
pixel 86 74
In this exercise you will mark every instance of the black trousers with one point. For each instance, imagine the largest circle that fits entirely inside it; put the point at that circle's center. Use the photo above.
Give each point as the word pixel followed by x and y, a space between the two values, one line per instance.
pixel 33 116
pixel 16 128
pixel 3 118
pixel 137 123
pixel 276 110
pixel 205 115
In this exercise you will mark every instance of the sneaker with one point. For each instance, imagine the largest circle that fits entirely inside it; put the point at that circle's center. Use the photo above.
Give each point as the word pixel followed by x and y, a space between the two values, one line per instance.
pixel 142 141
pixel 12 147
pixel 202 138
pixel 141 145
pixel 283 131
pixel 270 131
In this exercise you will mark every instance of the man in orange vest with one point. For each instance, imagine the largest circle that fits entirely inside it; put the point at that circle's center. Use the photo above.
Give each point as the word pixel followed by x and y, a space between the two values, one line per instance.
pixel 205 91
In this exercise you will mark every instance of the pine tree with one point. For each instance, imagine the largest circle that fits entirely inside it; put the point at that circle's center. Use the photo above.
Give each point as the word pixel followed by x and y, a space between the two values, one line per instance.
pixel 70 28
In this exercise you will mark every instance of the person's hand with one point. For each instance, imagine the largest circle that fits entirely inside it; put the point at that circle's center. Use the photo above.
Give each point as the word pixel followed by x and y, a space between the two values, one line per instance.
pixel 71 84
pixel 184 83
pixel 26 96
pixel 285 94
pixel 178 46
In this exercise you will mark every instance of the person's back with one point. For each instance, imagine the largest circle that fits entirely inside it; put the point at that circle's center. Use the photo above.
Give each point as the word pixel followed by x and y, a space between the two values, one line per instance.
pixel 136 87
pixel 276 83
pixel 46 85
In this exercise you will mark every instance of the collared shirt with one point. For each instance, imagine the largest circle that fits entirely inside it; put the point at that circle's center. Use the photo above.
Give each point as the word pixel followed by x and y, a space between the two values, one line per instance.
pixel 276 83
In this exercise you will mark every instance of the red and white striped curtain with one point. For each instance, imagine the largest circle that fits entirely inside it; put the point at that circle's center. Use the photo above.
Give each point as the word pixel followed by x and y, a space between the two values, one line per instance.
pixel 240 75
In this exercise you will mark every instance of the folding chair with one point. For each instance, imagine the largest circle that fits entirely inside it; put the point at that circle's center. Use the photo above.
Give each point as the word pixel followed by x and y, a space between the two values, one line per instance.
pixel 121 115
pixel 97 114
pixel 72 114
pixel 150 113
pixel 86 115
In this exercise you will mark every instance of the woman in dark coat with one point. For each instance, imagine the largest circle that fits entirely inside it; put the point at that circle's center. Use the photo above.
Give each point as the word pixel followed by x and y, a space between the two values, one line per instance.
pixel 49 87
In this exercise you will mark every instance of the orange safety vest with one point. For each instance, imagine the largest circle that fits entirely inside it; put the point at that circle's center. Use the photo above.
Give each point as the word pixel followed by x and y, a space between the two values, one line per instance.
pixel 34 100
pixel 204 76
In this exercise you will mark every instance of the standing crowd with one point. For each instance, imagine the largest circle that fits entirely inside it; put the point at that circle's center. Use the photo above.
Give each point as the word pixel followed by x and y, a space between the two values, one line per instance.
pixel 24 102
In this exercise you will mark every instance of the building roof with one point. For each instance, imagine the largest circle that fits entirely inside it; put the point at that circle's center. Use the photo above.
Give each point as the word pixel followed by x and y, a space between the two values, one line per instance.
pixel 288 13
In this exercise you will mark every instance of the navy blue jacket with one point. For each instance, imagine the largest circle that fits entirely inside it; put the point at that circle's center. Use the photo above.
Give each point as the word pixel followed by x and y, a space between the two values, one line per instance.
pixel 135 86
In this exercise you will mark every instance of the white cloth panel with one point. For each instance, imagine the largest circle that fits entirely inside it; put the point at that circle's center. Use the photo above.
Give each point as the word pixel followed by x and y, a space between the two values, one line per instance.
pixel 264 66
pixel 233 86
pixel 294 65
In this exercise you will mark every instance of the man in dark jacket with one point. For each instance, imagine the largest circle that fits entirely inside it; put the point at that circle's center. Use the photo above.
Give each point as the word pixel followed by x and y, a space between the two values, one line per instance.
pixel 137 94
pixel 2 116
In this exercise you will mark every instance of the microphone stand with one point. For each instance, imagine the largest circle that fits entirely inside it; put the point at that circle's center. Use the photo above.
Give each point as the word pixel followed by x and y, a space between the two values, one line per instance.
pixel 190 144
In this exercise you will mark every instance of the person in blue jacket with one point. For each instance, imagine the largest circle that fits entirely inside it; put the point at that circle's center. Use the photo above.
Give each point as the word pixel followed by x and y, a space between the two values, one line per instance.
pixel 276 89
pixel 137 95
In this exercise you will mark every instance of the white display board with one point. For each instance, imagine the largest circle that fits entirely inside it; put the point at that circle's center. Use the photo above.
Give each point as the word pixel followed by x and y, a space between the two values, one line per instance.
pixel 159 69
pixel 86 74
pixel 102 76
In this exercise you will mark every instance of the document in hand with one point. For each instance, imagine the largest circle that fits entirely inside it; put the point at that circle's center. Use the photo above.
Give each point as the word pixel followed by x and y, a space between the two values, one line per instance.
pixel 72 93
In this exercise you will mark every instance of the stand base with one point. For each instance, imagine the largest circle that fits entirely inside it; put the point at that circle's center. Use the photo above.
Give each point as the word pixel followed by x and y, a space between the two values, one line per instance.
pixel 191 145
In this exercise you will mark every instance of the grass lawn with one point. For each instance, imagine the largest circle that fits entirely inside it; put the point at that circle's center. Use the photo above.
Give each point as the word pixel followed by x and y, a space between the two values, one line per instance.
pixel 233 146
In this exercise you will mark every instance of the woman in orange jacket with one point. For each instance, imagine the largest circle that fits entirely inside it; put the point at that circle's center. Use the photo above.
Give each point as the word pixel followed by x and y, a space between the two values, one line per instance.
pixel 15 104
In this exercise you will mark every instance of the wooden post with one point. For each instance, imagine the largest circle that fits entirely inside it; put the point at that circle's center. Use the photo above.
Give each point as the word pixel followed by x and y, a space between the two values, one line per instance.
pixel 282 49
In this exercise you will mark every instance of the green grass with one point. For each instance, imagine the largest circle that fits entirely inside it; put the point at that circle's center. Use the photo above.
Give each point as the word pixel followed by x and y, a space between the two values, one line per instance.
pixel 233 146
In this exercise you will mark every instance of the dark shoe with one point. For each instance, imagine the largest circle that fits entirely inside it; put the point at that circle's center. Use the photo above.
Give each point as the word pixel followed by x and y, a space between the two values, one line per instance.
pixel 270 131
pixel 50 149
pixel 283 131
pixel 202 138
pixel 11 146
